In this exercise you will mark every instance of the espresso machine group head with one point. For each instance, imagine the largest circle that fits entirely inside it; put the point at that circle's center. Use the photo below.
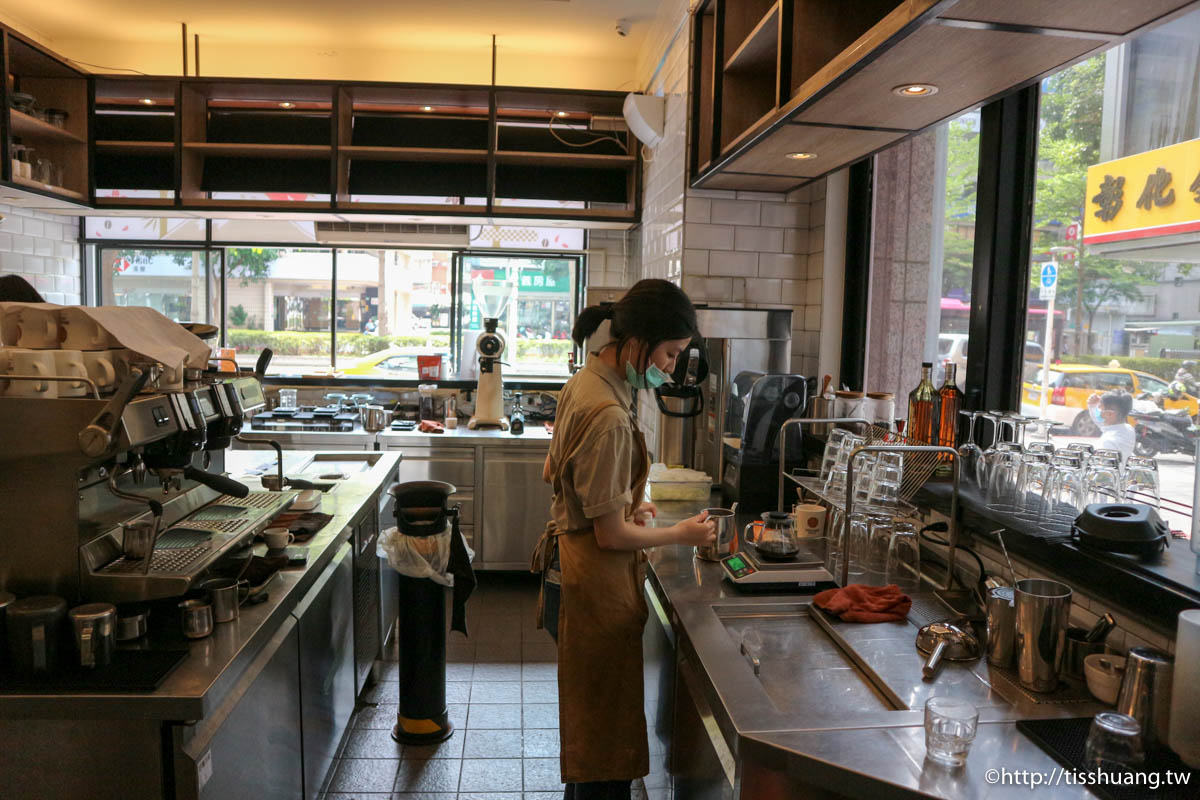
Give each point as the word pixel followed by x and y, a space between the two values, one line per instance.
pixel 492 296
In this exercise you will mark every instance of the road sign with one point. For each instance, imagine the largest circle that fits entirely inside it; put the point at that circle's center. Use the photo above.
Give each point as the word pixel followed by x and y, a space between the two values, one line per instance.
pixel 1049 282
pixel 1049 275
pixel 1072 232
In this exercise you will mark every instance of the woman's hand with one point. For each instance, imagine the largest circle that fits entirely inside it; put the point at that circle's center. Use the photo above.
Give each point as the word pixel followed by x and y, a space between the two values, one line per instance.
pixel 644 513
pixel 697 531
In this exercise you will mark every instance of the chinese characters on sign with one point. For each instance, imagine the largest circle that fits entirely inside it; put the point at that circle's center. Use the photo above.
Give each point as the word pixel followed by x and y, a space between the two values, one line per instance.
pixel 1153 195
pixel 1110 197
pixel 1154 212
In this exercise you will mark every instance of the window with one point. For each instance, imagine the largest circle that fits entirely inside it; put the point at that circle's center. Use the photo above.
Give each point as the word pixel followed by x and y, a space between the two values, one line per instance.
pixel 538 309
pixel 1109 178
pixel 921 264
pixel 392 305
pixel 279 298
pixel 175 282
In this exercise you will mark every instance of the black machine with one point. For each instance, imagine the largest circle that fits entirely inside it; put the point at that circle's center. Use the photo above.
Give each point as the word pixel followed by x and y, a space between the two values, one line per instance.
pixel 1132 528
pixel 756 407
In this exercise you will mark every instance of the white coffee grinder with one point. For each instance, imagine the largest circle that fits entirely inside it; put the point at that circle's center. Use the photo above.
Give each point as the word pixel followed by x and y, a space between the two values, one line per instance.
pixel 492 296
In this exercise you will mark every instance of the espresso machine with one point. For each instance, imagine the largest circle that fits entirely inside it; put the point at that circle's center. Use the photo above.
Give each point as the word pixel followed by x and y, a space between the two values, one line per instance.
pixel 78 470
pixel 492 298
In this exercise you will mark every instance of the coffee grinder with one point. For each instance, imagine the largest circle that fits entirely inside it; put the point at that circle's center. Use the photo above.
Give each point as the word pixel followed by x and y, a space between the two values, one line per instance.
pixel 492 297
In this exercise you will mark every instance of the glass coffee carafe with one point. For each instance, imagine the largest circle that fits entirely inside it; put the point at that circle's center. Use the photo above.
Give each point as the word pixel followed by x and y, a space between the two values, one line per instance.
pixel 775 537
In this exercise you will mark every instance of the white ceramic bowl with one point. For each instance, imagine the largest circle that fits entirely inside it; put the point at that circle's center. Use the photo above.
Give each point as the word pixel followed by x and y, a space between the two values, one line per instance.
pixel 1104 673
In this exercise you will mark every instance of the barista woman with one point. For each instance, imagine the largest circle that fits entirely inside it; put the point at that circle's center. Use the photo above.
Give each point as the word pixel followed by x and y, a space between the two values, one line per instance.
pixel 593 545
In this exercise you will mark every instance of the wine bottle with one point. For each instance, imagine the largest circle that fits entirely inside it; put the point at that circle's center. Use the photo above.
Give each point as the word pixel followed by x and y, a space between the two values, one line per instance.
pixel 923 408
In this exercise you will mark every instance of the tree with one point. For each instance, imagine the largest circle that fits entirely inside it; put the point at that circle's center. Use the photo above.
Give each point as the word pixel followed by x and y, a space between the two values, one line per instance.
pixel 1071 119
pixel 249 263
pixel 962 177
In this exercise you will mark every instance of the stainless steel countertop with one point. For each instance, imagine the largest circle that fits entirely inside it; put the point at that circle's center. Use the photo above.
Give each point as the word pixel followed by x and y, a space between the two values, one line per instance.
pixel 822 737
pixel 215 663
pixel 535 435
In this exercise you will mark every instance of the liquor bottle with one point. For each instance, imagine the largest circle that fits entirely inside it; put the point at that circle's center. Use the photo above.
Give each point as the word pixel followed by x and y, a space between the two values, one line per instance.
pixel 950 400
pixel 923 408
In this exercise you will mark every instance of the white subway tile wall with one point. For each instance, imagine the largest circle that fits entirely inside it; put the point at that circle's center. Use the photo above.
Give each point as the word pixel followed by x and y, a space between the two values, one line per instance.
pixel 44 250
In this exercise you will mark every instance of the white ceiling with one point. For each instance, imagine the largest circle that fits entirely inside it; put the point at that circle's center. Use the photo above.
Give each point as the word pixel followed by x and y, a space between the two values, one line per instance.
pixel 581 27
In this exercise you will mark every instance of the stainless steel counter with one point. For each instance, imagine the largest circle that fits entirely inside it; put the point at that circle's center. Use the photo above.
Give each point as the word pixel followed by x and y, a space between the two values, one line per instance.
pixel 535 435
pixel 214 664
pixel 841 711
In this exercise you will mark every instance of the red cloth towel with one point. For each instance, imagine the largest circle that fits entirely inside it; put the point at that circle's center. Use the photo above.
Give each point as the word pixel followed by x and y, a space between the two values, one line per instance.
pixel 429 426
pixel 859 603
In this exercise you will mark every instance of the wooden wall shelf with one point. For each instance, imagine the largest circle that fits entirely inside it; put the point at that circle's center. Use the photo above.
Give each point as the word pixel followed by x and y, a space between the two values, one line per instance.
pixel 45 187
pixel 823 83
pixel 200 137
pixel 25 125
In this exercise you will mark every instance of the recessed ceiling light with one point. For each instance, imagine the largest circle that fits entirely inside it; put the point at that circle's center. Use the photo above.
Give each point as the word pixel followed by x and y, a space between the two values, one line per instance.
pixel 801 156
pixel 146 101
pixel 287 105
pixel 427 108
pixel 915 90
pixel 560 113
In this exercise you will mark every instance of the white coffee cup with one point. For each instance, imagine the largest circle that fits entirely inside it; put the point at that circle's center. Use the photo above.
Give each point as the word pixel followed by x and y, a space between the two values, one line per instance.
pixel 81 332
pixel 31 328
pixel 810 519
pixel 100 368
pixel 22 361
pixel 69 363
pixel 277 538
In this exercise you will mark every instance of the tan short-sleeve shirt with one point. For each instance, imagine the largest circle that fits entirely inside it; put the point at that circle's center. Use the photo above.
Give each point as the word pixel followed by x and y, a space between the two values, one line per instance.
pixel 593 479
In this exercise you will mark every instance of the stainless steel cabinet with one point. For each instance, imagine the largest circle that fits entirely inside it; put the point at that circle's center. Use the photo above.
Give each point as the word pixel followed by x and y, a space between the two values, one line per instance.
pixel 454 465
pixel 325 617
pixel 658 665
pixel 367 648
pixel 515 506
pixel 250 747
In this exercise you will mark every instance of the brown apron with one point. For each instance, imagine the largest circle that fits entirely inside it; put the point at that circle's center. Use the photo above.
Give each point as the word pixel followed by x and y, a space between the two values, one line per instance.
pixel 602 723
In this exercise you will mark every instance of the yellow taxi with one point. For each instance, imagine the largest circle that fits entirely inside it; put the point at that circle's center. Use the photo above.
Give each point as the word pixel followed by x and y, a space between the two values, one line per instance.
pixel 1072 384
pixel 394 362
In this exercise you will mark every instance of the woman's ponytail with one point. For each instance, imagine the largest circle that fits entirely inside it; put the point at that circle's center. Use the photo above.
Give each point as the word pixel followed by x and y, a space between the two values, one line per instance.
pixel 589 320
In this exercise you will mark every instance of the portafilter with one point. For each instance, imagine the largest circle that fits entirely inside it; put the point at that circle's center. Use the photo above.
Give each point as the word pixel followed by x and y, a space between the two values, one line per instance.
pixel 946 640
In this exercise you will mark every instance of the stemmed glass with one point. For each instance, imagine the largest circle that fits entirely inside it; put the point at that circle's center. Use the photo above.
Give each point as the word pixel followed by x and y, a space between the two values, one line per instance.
pixel 984 463
pixel 969 452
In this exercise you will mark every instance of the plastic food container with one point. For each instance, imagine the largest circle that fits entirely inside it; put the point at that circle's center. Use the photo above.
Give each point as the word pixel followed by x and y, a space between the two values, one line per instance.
pixel 678 484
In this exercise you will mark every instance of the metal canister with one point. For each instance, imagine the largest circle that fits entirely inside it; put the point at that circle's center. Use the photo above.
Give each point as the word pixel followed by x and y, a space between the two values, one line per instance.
pixel 34 627
pixel 1001 625
pixel 724 543
pixel 1146 693
pixel 1043 610
pixel 94 627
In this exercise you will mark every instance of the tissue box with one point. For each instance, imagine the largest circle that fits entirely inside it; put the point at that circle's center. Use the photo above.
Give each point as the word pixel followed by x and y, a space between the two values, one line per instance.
pixel 678 484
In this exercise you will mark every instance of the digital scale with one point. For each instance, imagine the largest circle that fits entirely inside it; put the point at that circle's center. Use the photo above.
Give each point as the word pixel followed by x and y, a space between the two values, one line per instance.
pixel 747 570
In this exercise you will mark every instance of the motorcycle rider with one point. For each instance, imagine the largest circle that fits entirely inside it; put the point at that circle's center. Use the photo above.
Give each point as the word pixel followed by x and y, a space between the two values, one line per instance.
pixel 1186 375
pixel 1110 411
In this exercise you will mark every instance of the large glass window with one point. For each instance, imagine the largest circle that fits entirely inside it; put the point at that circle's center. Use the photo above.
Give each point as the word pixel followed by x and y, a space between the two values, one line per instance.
pixel 921 264
pixel 174 282
pixel 279 298
pixel 1116 174
pixel 392 305
pixel 537 301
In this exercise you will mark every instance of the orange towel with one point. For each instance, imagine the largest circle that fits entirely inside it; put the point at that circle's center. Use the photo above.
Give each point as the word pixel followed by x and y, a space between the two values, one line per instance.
pixel 859 603
pixel 429 426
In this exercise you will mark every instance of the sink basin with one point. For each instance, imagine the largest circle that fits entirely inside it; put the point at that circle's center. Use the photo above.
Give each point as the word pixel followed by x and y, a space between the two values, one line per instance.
pixel 801 667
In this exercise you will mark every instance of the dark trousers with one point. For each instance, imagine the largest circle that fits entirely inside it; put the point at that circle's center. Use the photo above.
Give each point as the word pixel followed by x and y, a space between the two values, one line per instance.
pixel 599 790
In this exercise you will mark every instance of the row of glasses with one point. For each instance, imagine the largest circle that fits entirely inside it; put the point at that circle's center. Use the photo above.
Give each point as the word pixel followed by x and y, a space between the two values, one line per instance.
pixel 881 549
pixel 835 480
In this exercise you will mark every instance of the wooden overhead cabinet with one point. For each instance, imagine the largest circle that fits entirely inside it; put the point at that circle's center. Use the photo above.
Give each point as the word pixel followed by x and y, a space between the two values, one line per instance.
pixel 834 68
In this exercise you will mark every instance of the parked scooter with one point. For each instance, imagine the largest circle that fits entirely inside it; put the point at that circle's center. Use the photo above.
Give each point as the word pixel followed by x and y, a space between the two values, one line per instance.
pixel 1164 432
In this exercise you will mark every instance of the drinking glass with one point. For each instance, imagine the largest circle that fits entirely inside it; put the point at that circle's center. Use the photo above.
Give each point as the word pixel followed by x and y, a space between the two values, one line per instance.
pixel 879 539
pixel 904 558
pixel 833 539
pixel 287 398
pixel 1004 473
pixel 1031 484
pixel 835 484
pixel 950 726
pixel 1140 483
pixel 969 452
pixel 858 546
pixel 832 445
pixel 864 468
pixel 1102 480
pixel 884 495
pixel 1040 447
pixel 1114 743
pixel 1085 451
pixel 1062 498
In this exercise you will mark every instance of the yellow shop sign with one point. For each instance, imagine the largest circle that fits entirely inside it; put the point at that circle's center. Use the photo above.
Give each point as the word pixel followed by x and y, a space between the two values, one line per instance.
pixel 1156 193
